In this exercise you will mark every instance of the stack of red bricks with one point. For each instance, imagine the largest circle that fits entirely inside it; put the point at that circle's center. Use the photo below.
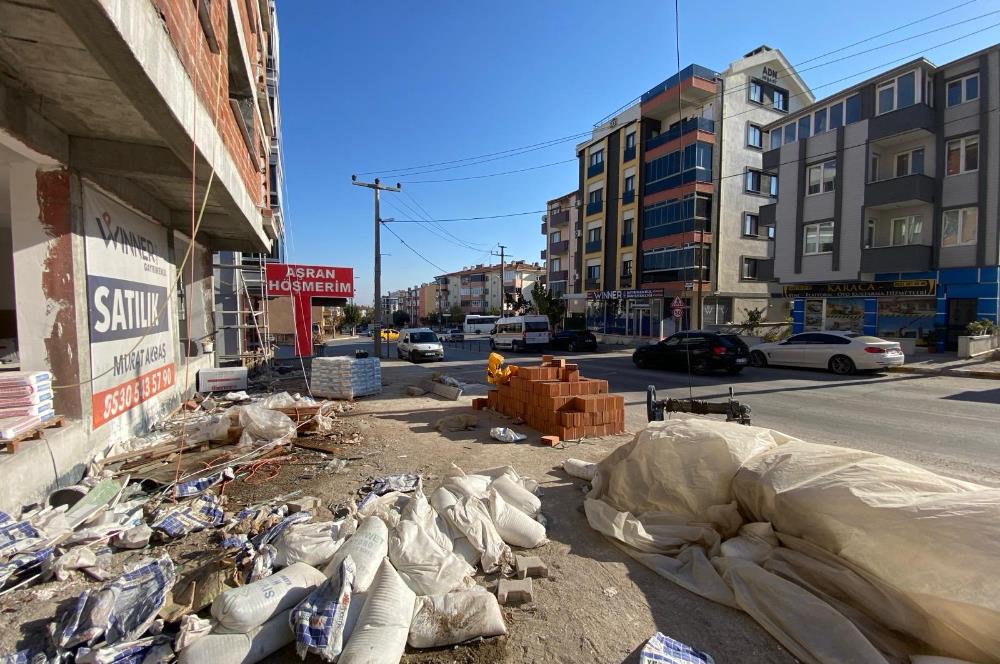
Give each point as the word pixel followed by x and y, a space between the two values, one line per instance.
pixel 554 399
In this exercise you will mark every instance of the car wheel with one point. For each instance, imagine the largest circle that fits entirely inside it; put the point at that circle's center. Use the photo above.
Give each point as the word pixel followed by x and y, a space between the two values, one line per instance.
pixel 413 357
pixel 571 347
pixel 842 365
pixel 758 359
pixel 641 362
pixel 700 366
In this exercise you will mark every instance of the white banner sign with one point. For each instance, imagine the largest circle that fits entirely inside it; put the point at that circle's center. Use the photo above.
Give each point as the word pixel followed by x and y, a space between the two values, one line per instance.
pixel 128 286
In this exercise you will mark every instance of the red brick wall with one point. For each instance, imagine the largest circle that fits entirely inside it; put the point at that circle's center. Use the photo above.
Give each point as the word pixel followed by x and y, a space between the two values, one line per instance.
pixel 209 74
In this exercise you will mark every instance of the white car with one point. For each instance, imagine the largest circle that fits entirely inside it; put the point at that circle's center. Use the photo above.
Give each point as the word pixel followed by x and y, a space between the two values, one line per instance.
pixel 419 343
pixel 840 352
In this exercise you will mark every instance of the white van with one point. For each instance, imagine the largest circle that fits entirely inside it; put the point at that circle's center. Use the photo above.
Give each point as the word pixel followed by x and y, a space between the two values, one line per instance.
pixel 520 332
pixel 419 343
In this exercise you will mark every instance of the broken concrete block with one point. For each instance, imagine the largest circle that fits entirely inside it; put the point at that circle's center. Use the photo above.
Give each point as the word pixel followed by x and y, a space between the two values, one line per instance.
pixel 133 538
pixel 415 391
pixel 515 591
pixel 304 504
pixel 531 566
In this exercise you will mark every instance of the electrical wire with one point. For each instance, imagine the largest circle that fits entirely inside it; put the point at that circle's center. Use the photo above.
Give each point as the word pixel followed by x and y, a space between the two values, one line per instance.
pixel 491 175
pixel 418 254
pixel 427 215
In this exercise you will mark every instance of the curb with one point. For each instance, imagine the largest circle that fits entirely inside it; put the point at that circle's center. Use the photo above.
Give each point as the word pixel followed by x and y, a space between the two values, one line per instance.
pixel 955 373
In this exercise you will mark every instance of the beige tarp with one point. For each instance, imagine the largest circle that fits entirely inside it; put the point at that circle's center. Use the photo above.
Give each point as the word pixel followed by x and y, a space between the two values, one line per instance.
pixel 870 559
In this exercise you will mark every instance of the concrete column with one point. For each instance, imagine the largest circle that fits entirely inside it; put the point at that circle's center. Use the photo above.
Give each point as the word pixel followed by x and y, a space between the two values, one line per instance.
pixel 48 267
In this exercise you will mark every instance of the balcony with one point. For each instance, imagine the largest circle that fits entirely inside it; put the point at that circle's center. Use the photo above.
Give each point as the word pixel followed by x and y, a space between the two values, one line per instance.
pixel 767 214
pixel 694 84
pixel 592 246
pixel 628 239
pixel 557 219
pixel 542 254
pixel 907 258
pixel 560 247
pixel 915 117
pixel 629 154
pixel 628 196
pixel 625 281
pixel 545 228
pixel 595 169
pixel 595 207
pixel 906 189
pixel 592 284
pixel 558 275
pixel 772 160
pixel 685 127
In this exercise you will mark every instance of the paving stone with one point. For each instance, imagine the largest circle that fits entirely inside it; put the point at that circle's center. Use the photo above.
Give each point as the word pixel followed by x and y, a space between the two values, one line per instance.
pixel 515 591
pixel 531 566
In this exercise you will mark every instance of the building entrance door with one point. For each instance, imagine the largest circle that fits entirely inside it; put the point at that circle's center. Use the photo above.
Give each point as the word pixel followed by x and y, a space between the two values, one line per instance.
pixel 961 312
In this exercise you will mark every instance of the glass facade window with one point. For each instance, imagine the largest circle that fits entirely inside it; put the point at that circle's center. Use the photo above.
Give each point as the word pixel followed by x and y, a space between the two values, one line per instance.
pixel 780 99
pixel 789 133
pixel 630 141
pixel 818 238
pixel 962 155
pixel 963 89
pixel 694 164
pixel 906 90
pixel 821 178
pixel 910 162
pixel 751 225
pixel 960 227
pixel 886 97
pixel 755 137
pixel 756 92
pixel 905 231
pixel 805 124
pixel 675 263
pixel 837 115
pixel 819 121
pixel 597 157
pixel 776 138
pixel 690 213
pixel 852 109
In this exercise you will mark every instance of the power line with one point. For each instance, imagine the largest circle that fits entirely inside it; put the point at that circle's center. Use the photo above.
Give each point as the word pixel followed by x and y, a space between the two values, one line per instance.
pixel 427 215
pixel 419 255
pixel 433 229
pixel 491 175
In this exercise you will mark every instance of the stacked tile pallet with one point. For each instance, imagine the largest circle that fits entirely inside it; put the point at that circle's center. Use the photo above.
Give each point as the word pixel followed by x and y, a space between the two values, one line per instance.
pixel 554 399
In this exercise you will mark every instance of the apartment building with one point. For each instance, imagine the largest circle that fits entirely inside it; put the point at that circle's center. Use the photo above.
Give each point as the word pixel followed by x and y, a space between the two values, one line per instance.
pixel 428 301
pixel 99 102
pixel 560 225
pixel 670 190
pixel 477 289
pixel 887 214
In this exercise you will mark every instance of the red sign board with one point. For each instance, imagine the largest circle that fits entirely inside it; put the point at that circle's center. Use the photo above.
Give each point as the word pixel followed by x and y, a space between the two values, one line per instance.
pixel 314 280
pixel 302 283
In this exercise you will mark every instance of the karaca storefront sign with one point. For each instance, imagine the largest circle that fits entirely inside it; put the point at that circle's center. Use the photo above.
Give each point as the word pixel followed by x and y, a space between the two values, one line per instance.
pixel 900 287
pixel 302 283
pixel 638 294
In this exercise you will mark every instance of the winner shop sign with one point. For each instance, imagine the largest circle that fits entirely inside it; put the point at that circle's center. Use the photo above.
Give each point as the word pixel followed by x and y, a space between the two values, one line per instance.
pixel 303 283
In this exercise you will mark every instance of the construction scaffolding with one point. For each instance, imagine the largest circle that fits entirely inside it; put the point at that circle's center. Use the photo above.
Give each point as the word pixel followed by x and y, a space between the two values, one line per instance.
pixel 243 334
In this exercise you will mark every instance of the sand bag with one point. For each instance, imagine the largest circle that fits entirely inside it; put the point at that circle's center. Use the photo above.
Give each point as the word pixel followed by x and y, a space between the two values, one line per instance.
pixel 380 634
pixel 320 622
pixel 442 499
pixel 426 567
pixel 444 620
pixel 367 547
pixel 242 609
pixel 310 543
pixel 231 648
pixel 420 512
pixel 472 519
pixel 517 496
pixel 515 527
pixel 581 469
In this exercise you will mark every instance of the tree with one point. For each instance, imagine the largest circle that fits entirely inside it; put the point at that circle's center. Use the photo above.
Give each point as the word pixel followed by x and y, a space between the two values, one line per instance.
pixel 516 303
pixel 548 304
pixel 400 318
pixel 753 322
pixel 493 311
pixel 352 317
pixel 457 315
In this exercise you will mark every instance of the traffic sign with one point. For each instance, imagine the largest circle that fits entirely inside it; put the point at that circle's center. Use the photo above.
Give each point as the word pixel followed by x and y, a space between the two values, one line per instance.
pixel 678 313
pixel 677 307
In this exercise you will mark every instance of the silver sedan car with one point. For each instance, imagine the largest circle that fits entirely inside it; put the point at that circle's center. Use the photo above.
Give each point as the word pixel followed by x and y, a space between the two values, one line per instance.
pixel 840 352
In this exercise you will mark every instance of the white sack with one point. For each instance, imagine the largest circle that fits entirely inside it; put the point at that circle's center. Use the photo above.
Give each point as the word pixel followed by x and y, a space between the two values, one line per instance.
pixel 247 648
pixel 517 496
pixel 581 469
pixel 442 500
pixel 366 547
pixel 472 486
pixel 380 634
pixel 313 543
pixel 470 517
pixel 515 527
pixel 241 609
pixel 192 628
pixel 444 620
pixel 420 512
pixel 386 507
pixel 320 622
pixel 426 567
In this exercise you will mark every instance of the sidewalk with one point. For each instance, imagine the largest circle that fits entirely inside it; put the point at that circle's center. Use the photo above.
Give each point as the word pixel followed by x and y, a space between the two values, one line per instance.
pixel 948 365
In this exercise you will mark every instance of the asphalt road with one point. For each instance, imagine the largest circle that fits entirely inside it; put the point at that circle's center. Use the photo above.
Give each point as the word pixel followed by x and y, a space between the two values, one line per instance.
pixel 948 424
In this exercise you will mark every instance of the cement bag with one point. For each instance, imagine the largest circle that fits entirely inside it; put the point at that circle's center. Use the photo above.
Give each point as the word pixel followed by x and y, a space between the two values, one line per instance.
pixel 470 517
pixel 313 543
pixel 380 634
pixel 444 620
pixel 515 527
pixel 247 648
pixel 581 469
pixel 320 622
pixel 473 486
pixel 441 500
pixel 386 507
pixel 426 567
pixel 367 547
pixel 420 512
pixel 935 539
pixel 517 496
pixel 242 609
pixel 684 468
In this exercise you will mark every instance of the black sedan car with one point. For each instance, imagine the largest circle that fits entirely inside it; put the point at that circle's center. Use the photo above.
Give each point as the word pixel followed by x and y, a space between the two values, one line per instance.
pixel 573 340
pixel 703 351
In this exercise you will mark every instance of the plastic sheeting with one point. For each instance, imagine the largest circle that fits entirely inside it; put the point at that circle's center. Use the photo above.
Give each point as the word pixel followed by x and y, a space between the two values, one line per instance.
pixel 870 559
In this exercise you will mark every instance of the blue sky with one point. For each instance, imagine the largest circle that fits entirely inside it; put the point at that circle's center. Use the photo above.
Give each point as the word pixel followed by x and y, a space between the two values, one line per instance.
pixel 396 84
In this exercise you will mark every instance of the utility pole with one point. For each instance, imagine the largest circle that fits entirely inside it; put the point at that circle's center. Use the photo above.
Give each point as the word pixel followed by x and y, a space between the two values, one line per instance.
pixel 377 187
pixel 503 292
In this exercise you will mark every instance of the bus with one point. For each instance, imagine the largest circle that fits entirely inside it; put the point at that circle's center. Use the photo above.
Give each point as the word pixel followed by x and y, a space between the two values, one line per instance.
pixel 479 324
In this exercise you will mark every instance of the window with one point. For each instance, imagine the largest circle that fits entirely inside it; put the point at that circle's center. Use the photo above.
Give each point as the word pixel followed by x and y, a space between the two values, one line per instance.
pixel 749 269
pixel 852 109
pixel 593 272
pixel 887 97
pixel 596 197
pixel 910 162
pixel 818 238
pixel 960 227
pixel 963 89
pixel 773 186
pixel 627 268
pixel 898 93
pixel 789 133
pixel 555 236
pixel 630 141
pixel 905 230
pixel 555 264
pixel 873 168
pixel 627 226
pixel 962 155
pixel 837 115
pixel 597 157
pixel 751 226
pixel 775 138
pixel 759 183
pixel 753 181
pixel 780 99
pixel 805 124
pixel 822 178
pixel 630 183
pixel 869 234
pixel 819 121
pixel 594 234
pixel 755 137
pixel 756 92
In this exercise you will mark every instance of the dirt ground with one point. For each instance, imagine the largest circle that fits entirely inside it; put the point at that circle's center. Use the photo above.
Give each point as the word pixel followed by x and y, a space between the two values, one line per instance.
pixel 598 605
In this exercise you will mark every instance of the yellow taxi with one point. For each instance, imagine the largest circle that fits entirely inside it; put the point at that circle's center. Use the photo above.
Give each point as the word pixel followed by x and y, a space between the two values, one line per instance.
pixel 389 334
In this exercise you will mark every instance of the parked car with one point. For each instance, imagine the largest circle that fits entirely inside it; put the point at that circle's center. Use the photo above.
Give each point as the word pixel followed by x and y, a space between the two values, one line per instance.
pixel 520 332
pixel 454 334
pixel 573 340
pixel 840 352
pixel 389 334
pixel 704 351
pixel 419 343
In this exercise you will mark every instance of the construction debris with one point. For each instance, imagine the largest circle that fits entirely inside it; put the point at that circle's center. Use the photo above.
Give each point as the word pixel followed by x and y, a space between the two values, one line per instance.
pixel 506 435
